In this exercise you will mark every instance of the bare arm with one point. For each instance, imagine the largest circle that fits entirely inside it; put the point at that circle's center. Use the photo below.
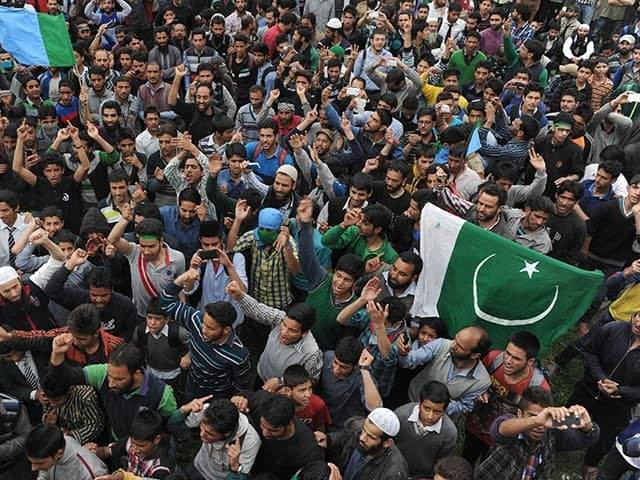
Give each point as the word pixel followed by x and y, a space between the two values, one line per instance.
pixel 115 237
pixel 18 158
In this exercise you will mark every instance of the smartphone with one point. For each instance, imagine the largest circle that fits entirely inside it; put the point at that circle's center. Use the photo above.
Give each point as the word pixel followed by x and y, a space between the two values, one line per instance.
pixel 253 164
pixel 570 421
pixel 633 97
pixel 29 152
pixel 353 91
pixel 444 108
pixel 208 254
pixel 392 62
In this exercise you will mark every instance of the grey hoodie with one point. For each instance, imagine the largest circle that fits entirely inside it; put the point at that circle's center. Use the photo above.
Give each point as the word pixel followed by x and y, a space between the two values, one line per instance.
pixel 77 463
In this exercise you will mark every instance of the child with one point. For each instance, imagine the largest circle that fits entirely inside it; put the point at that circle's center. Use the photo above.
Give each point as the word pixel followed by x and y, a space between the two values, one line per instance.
pixel 429 329
pixel 310 408
pixel 164 345
pixel 144 452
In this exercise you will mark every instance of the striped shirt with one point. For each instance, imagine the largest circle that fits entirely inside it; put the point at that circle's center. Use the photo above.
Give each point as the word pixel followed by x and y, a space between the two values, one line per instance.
pixel 599 91
pixel 81 415
pixel 220 369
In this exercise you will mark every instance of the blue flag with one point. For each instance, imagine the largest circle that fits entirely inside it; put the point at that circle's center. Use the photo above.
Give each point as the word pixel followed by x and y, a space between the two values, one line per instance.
pixel 474 142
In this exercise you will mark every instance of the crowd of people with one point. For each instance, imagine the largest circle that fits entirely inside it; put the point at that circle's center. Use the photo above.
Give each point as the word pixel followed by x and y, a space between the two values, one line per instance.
pixel 210 232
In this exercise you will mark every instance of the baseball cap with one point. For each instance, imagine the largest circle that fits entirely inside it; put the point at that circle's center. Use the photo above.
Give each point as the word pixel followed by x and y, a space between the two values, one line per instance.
pixel 334 23
pixel 270 218
pixel 288 170
pixel 628 38
pixel 385 420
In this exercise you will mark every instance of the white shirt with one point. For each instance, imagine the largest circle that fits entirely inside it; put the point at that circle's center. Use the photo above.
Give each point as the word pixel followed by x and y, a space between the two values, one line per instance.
pixel 415 418
pixel 19 227
pixel 147 143
pixel 619 186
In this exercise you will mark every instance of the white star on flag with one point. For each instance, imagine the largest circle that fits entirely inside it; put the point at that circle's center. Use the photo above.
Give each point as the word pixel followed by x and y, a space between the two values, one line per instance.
pixel 530 268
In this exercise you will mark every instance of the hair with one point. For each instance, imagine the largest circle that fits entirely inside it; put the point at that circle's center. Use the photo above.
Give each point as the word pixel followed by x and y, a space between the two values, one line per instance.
pixel 351 264
pixel 52 387
pixel 529 126
pixel 397 309
pixel 154 307
pixel 537 396
pixel 424 196
pixel 95 70
pixel 47 110
pixel 278 411
pixel 400 167
pixel 147 210
pixel 455 7
pixel 287 18
pixel 584 110
pixel 477 36
pixel 84 319
pixel 572 187
pixel 495 84
pixel 222 123
pixel 65 236
pixel 44 441
pixel 608 153
pixel 295 375
pixel 361 181
pixel 222 312
pixel 378 215
pixel 348 350
pixel 505 170
pixel 494 190
pixel 145 425
pixel 210 228
pixel 436 323
pixel 611 167
pixel 126 134
pixel 127 355
pixel 302 313
pixel 189 194
pixel 51 211
pixel 167 129
pixel 458 150
pixel 52 158
pixel 436 392
pixel 385 117
pixel 221 415
pixel 413 259
pixel 150 109
pixel 314 470
pixel 526 341
pixel 118 175
pixel 539 203
pixel 535 47
pixel 454 468
pixel 268 123
pixel 150 226
pixel 253 198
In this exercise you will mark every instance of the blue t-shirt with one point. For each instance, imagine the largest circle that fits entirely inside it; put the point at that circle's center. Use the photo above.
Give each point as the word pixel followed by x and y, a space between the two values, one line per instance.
pixel 588 203
pixel 267 165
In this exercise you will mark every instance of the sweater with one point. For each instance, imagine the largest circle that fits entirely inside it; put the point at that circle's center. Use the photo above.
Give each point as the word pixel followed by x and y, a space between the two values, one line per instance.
pixel 612 233
pixel 423 451
pixel 337 238
pixel 77 463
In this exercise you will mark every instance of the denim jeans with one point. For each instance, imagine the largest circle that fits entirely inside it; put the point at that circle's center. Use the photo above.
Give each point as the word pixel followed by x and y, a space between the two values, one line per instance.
pixel 586 13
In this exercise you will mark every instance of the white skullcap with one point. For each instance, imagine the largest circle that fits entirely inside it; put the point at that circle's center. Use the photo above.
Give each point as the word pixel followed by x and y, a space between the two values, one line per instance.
pixel 385 420
pixel 584 26
pixel 7 274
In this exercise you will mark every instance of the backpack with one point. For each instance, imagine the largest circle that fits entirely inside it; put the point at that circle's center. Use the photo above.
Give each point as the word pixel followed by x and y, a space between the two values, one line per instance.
pixel 266 72
pixel 282 154
pixel 537 378
pixel 173 337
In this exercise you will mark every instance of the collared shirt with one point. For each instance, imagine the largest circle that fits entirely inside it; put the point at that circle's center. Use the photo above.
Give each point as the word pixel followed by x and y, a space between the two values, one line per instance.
pixel 175 178
pixel 521 34
pixel 410 290
pixel 420 428
pixel 269 282
pixel 232 188
pixel 163 374
pixel 187 237
pixel 147 143
pixel 19 226
pixel 214 283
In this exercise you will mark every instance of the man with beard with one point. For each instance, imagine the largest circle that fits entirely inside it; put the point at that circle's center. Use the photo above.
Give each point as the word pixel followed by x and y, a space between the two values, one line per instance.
pixel 94 97
pixel 116 312
pixel 528 226
pixel 284 25
pixel 110 114
pixel 182 221
pixel 198 115
pixel 219 362
pixel 371 56
pixel 123 384
pixel 360 190
pixel 534 432
pixel 165 54
pixel 158 186
pixel 147 281
pixel 250 115
pixel 512 371
pixel 487 211
pixel 154 92
pixel 457 363
pixel 625 48
pixel 242 69
pixel 266 152
pixel 218 40
pixel 391 192
pixel 233 22
pixel 566 229
pixel 129 104
pixel 281 195
pixel 366 449
pixel 198 53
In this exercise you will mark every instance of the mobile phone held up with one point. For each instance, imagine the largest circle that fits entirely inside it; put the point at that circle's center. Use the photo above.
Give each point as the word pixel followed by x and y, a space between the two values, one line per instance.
pixel 208 254
pixel 570 421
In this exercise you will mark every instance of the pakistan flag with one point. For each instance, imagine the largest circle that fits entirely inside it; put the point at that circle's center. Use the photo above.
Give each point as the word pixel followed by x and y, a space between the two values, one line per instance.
pixel 474 277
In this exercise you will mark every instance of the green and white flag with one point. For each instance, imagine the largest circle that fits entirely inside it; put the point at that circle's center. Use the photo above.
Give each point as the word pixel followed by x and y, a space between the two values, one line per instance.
pixel 475 277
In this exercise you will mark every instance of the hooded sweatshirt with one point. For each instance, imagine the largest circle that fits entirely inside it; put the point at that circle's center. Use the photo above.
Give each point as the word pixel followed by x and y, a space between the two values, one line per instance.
pixel 77 463
pixel 212 461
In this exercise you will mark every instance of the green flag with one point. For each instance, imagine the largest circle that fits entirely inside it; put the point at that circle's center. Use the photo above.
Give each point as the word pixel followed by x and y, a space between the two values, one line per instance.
pixel 475 277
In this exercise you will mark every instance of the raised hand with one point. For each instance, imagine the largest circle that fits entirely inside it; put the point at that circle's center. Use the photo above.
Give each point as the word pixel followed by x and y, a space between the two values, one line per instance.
pixel 242 210
pixel 371 290
pixel 234 290
pixel 304 213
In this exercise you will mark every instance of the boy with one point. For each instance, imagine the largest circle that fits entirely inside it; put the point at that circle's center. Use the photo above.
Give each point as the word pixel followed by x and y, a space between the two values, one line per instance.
pixel 144 452
pixel 164 345
pixel 417 180
pixel 310 408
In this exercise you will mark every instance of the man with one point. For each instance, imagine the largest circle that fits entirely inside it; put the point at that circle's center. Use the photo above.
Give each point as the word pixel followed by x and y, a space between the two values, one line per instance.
pixel 333 211
pixel 346 383
pixel 609 387
pixel 452 25
pixel 512 371
pixel 154 92
pixel 284 25
pixel 491 38
pixel 463 180
pixel 426 433
pixel 466 59
pixel 250 115
pixel 456 363
pixel 531 440
pixel 521 29
pixel 129 104
pixel 117 312
pixel 233 22
pixel 92 99
pixel 198 116
pixel 54 454
pixel 13 224
pixel 566 229
pixel 182 221
pixel 608 126
pixel 371 56
pixel 222 429
pixel 267 75
pixel 147 141
pixel 529 226
pixel 599 190
pixel 152 262
pixel 123 384
pixel 242 68
pixel 13 460
pixel 165 54
pixel 220 362
pixel 287 443
pixel 528 55
pixel 198 53
pixel 290 341
pixel 367 449
pixel 266 152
